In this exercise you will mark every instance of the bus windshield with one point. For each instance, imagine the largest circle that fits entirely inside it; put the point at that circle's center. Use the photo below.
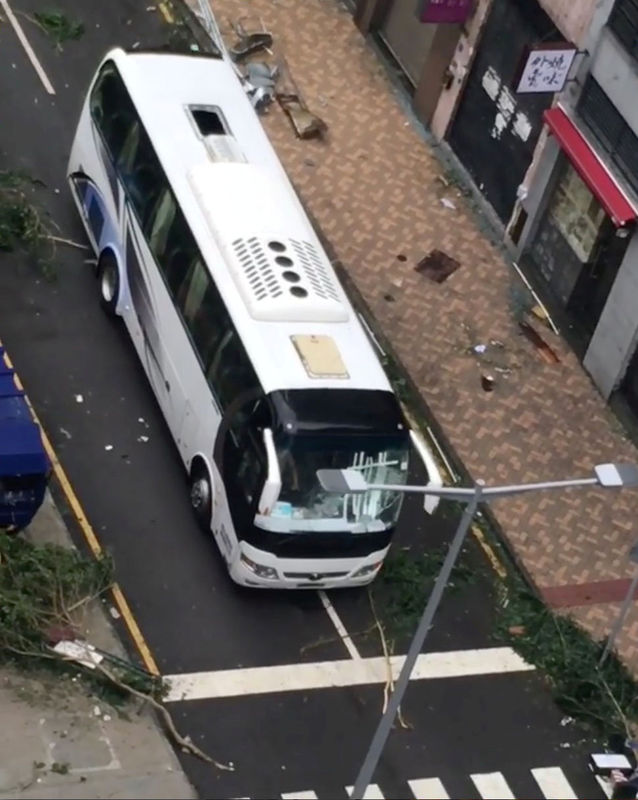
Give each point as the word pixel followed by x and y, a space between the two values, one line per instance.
pixel 304 506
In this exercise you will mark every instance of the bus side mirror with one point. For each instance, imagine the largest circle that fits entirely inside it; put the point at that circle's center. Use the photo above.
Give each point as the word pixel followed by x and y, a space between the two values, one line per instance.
pixel 430 503
pixel 272 484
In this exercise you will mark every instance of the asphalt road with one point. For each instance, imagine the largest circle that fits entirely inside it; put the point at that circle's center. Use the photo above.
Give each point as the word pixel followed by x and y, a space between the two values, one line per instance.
pixel 135 496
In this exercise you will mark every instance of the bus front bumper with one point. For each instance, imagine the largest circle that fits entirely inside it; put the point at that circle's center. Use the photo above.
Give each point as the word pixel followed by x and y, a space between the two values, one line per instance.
pixel 257 568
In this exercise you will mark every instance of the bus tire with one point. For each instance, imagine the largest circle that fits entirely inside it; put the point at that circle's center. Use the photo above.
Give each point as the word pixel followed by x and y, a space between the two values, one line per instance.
pixel 201 496
pixel 108 274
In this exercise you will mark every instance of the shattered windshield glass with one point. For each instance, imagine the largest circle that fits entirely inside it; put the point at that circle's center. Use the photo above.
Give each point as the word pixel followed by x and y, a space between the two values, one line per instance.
pixel 304 506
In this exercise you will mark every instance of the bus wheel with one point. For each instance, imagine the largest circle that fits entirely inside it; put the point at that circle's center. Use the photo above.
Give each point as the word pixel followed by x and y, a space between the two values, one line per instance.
pixel 201 497
pixel 109 279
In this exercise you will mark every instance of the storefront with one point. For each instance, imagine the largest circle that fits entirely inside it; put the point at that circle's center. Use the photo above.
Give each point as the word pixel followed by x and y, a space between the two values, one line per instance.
pixel 582 236
pixel 422 50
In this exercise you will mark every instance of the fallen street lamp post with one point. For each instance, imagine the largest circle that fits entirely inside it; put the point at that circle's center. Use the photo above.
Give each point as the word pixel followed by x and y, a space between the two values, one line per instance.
pixel 347 481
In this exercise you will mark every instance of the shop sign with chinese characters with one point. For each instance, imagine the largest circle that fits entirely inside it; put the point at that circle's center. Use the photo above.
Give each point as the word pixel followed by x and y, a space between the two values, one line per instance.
pixel 443 11
pixel 545 68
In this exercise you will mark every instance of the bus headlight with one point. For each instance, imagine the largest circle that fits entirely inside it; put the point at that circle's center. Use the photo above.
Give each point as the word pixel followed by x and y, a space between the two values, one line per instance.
pixel 260 570
pixel 360 573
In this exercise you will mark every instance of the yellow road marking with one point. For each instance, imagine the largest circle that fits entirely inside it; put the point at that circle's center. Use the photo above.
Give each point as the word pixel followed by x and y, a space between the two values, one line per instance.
pixel 493 559
pixel 89 534
pixel 166 13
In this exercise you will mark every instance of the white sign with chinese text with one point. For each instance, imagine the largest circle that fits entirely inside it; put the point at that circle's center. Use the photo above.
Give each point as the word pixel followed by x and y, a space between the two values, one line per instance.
pixel 546 69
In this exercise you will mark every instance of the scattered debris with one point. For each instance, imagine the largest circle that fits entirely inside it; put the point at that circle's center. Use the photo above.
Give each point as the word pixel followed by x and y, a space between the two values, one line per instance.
pixel 448 203
pixel 539 303
pixel 65 433
pixel 544 350
pixel 69 242
pixel 437 266
pixel 250 42
pixel 402 258
pixel 487 382
pixel 108 446
pixel 389 298
pixel 57 26
pixel 97 711
pixel 141 420
pixel 259 83
pixel 306 124
pixel 114 612
pixel 80 651
pixel 106 717
pixel 479 348
pixel 566 721
pixel 142 439
pixel 79 398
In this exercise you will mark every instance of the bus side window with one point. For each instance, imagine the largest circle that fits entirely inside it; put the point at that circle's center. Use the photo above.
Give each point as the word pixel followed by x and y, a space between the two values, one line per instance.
pixel 111 108
pixel 231 373
pixel 244 460
pixel 145 180
pixel 161 222
pixel 202 310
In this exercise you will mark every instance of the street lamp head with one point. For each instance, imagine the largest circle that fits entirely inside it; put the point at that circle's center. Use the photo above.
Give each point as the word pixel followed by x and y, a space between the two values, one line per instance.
pixel 616 475
pixel 342 481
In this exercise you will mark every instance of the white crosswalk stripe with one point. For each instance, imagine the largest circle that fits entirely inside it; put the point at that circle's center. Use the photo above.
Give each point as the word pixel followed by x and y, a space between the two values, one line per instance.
pixel 552 783
pixel 371 793
pixel 492 786
pixel 299 796
pixel 428 789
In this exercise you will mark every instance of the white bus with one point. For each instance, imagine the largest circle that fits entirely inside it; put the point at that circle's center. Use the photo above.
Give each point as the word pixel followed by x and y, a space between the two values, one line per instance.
pixel 258 360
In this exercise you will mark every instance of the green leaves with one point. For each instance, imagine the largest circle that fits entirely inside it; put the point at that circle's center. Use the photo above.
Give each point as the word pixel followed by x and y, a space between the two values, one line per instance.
pixel 58 26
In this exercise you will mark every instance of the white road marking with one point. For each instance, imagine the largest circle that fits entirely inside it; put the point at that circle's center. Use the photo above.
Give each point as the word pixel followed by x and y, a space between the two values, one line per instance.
pixel 371 793
pixel 605 786
pixel 349 672
pixel 341 628
pixel 428 789
pixel 299 796
pixel 553 783
pixel 492 786
pixel 27 47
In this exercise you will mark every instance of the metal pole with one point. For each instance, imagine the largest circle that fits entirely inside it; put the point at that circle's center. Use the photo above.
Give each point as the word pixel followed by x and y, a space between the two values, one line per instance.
pixel 621 618
pixel 385 724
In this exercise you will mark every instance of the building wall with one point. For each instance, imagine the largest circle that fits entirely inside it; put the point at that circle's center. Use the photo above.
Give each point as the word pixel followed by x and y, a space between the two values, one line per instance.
pixel 614 340
pixel 617 72
pixel 460 65
pixel 572 17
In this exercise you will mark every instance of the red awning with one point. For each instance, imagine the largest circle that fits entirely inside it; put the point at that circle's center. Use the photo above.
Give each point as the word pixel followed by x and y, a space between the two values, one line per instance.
pixel 590 167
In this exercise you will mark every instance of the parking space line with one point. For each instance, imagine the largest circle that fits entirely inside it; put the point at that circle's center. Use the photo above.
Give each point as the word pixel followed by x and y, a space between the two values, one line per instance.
pixel 341 628
pixel 309 795
pixel 88 532
pixel 338 674
pixel 27 47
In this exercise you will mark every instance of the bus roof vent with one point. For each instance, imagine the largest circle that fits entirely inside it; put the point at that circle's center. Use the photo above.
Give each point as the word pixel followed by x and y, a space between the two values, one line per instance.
pixel 267 243
pixel 320 356
pixel 223 148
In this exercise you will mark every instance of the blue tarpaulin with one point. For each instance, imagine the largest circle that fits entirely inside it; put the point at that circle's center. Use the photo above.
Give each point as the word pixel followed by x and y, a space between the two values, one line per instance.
pixel 24 466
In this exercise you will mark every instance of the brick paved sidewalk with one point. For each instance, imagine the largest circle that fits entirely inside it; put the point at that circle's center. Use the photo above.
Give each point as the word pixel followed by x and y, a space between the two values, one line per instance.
pixel 375 188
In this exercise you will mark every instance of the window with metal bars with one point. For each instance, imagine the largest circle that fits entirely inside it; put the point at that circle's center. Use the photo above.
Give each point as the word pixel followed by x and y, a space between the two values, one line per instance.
pixel 623 21
pixel 610 129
